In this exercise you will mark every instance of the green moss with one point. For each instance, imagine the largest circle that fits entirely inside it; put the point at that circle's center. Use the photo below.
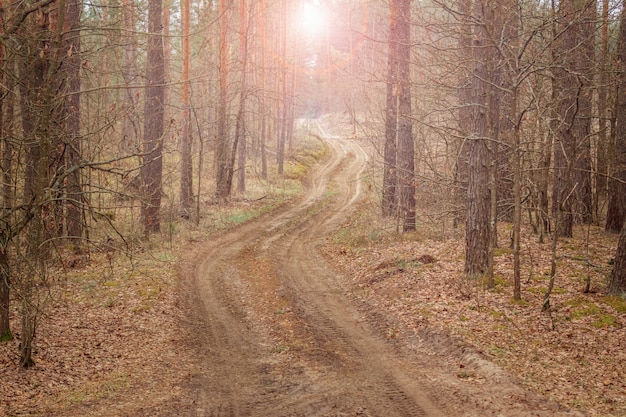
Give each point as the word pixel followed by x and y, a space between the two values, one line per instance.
pixel 6 337
pixel 605 320
pixel 582 308
pixel 502 251
pixel 522 303
pixel 496 314
pixel 618 303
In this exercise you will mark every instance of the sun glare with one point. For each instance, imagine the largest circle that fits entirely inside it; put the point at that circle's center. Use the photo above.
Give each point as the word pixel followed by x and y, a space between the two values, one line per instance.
pixel 313 18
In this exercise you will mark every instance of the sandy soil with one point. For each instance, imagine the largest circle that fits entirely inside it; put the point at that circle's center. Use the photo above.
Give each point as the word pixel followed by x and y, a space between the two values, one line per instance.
pixel 275 333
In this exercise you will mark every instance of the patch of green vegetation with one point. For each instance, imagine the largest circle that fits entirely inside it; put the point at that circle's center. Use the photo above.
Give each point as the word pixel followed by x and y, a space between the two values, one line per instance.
pixel 6 337
pixel 282 348
pixel 618 303
pixel 165 257
pixel 502 251
pixel 496 351
pixel 241 217
pixel 465 374
pixel 98 390
pixel 403 264
pixel 605 320
pixel 521 303
pixel 496 314
pixel 498 281
pixel 583 308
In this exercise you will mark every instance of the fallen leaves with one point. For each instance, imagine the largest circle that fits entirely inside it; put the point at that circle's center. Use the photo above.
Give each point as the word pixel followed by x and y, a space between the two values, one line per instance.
pixel 573 354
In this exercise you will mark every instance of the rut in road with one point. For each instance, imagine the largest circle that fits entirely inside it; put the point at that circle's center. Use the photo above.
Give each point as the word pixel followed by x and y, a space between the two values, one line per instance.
pixel 340 368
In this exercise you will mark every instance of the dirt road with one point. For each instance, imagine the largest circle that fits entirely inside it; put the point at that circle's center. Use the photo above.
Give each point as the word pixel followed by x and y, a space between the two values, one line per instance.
pixel 277 335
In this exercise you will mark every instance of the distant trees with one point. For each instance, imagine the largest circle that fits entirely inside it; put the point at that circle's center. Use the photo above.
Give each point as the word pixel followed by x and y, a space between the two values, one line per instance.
pixel 497 109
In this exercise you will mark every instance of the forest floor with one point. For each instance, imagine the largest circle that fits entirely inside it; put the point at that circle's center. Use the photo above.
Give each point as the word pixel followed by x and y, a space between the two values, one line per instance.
pixel 318 308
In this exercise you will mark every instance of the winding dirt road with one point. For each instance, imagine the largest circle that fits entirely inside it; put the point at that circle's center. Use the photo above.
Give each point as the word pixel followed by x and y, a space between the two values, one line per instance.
pixel 279 337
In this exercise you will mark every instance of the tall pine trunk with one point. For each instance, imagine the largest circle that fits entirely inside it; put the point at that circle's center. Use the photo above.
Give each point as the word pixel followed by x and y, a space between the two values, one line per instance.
pixel 477 226
pixel 152 168
pixel 186 169
pixel 616 211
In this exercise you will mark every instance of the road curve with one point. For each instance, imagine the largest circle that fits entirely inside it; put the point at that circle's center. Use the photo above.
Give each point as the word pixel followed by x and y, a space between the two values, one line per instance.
pixel 330 363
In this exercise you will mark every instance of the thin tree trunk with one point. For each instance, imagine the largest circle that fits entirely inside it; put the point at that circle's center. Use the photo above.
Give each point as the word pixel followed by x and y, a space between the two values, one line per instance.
pixel 263 100
pixel 186 175
pixel 130 129
pixel 390 157
pixel 240 128
pixel 72 62
pixel 406 145
pixel 222 150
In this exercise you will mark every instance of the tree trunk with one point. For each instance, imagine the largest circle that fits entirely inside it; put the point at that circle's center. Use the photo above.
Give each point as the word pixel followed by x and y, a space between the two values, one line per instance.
pixel 5 292
pixel 282 107
pixel 186 169
pixel 222 148
pixel 130 129
pixel 617 282
pixel 616 211
pixel 572 84
pixel 262 101
pixel 602 163
pixel 477 227
pixel 152 168
pixel 390 158
pixel 72 63
pixel 406 145
pixel 240 131
pixel 464 93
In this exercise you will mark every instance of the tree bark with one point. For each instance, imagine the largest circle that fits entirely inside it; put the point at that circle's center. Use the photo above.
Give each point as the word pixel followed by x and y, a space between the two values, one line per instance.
pixel 617 282
pixel 390 201
pixel 72 61
pixel 223 178
pixel 186 169
pixel 477 225
pixel 130 130
pixel 240 128
pixel 572 84
pixel 406 145
pixel 616 211
pixel 152 168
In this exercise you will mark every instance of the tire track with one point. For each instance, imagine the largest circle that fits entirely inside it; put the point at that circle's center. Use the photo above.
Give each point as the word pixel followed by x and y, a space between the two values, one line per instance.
pixel 348 370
